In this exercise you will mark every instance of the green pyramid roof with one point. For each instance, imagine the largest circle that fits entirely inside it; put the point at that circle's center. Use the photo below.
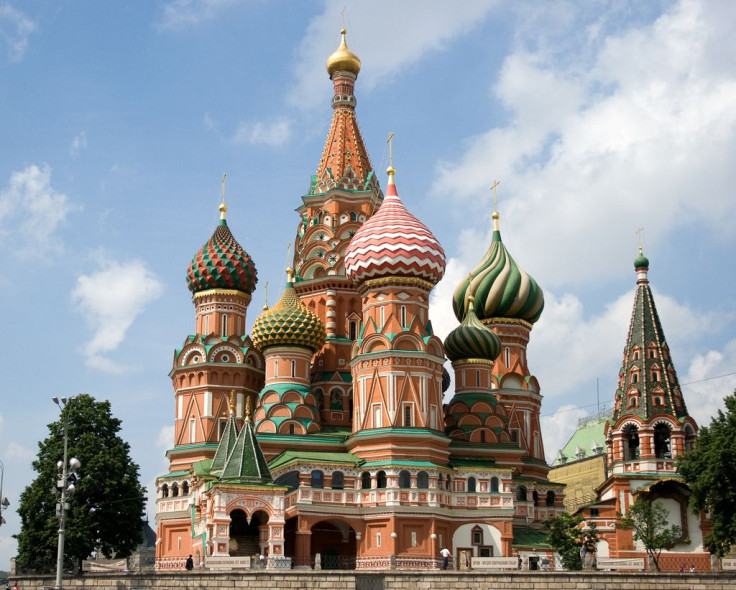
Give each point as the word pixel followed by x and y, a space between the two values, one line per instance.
pixel 245 462
pixel 589 434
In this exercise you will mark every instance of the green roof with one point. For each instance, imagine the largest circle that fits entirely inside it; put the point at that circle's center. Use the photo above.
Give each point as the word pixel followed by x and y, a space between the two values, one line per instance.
pixel 288 457
pixel 398 463
pixel 588 433
pixel 525 536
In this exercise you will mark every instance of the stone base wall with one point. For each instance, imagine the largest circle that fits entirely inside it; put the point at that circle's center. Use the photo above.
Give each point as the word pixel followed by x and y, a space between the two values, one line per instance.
pixel 386 581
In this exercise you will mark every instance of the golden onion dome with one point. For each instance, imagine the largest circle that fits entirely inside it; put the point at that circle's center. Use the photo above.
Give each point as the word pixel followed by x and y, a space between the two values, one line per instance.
pixel 343 59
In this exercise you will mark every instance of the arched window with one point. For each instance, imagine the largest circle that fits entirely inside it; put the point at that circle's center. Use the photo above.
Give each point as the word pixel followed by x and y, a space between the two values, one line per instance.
pixel 164 491
pixel 352 329
pixel 550 498
pixel 662 442
pixel 336 399
pixel 175 490
pixel 494 484
pixel 365 481
pixel 291 428
pixel 535 498
pixel 404 479
pixel 422 480
pixel 185 489
pixel 521 493
pixel 631 443
pixel 318 479
pixel 338 480
pixel 448 483
pixel 290 479
pixel 471 484
pixel 381 479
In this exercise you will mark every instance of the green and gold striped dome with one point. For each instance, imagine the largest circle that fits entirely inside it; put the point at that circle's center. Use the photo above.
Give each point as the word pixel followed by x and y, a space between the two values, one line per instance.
pixel 501 289
pixel 471 339
pixel 289 323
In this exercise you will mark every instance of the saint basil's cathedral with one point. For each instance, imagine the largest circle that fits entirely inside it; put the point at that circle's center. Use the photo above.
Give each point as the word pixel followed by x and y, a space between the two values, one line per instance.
pixel 323 439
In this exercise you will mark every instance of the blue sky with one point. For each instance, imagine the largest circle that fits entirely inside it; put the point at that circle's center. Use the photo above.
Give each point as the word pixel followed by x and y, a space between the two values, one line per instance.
pixel 119 118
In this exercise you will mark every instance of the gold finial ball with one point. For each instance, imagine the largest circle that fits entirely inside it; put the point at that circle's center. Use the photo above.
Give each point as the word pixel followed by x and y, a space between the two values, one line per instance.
pixel 343 60
pixel 390 170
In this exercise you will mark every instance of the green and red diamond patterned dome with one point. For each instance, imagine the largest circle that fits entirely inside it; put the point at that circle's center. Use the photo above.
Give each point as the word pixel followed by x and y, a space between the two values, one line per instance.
pixel 222 263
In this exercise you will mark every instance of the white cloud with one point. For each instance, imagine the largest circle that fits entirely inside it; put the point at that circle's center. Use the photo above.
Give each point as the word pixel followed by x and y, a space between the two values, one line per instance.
pixel 31 211
pixel 78 144
pixel 391 36
pixel 557 428
pixel 640 130
pixel 271 133
pixel 110 299
pixel 709 378
pixel 181 14
pixel 15 28
pixel 19 453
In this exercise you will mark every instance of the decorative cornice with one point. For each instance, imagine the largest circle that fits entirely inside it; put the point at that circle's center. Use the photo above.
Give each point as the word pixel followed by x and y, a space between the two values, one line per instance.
pixel 214 292
pixel 380 282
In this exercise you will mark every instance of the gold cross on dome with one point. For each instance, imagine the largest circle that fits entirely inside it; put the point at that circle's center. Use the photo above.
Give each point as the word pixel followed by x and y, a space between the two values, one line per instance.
pixel 639 233
pixel 389 141
pixel 494 188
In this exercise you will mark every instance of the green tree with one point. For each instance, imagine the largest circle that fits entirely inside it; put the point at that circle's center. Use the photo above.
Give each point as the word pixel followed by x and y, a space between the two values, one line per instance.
pixel 567 534
pixel 649 522
pixel 106 508
pixel 710 472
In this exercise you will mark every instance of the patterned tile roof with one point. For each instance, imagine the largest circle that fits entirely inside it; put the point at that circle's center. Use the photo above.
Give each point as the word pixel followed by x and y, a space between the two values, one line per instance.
pixel 394 243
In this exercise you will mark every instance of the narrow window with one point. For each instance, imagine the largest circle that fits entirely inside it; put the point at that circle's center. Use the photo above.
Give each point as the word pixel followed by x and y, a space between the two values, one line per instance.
pixel 482 436
pixel 403 316
pixel 185 489
pixel 291 429
pixel 293 368
pixel 164 491
pixel 276 367
pixel 494 484
pixel 224 324
pixel 471 484
pixel 377 416
pixel 521 494
pixel 407 415
pixel 477 378
pixel 381 479
pixel 413 539
pixel 318 479
pixel 381 319
pixel 422 480
pixel 338 480
pixel 192 430
pixel 507 354
pixel 207 324
pixel 477 535
pixel 550 498
pixel 175 490
pixel 353 329
pixel 404 479
pixel 378 539
pixel 365 481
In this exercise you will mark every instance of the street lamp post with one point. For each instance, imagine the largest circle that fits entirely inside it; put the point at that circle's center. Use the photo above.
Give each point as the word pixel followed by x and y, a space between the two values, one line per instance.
pixel 3 500
pixel 65 485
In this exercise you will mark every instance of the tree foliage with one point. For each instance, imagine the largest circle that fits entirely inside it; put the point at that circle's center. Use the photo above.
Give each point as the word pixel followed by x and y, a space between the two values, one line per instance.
pixel 106 509
pixel 710 472
pixel 650 524
pixel 567 534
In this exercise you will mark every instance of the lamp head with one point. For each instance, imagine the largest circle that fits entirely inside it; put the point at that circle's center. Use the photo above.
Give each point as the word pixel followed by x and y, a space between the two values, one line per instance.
pixel 55 400
pixel 74 463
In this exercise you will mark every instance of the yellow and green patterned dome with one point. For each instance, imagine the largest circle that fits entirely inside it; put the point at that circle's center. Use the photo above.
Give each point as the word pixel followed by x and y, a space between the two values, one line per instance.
pixel 500 287
pixel 471 339
pixel 289 323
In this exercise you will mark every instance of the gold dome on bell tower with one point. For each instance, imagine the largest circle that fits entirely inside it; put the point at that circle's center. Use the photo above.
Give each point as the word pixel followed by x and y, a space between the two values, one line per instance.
pixel 343 59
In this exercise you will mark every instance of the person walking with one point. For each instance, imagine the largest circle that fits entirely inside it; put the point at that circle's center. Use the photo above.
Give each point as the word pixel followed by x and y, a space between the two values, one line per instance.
pixel 445 553
pixel 190 563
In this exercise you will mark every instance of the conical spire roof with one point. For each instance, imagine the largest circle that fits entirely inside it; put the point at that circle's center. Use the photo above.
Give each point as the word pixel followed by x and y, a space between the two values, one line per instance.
pixel 502 289
pixel 344 162
pixel 648 383
pixel 227 442
pixel 245 462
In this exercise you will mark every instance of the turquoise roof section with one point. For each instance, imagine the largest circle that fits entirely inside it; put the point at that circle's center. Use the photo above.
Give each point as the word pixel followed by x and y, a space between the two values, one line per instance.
pixel 589 433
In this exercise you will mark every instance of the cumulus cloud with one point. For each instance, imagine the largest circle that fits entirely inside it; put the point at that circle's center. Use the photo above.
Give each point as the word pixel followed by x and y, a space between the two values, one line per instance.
pixel 78 144
pixel 271 133
pixel 15 29
pixel 639 130
pixel 557 428
pixel 709 378
pixel 181 14
pixel 32 211
pixel 110 299
pixel 385 45
pixel 19 453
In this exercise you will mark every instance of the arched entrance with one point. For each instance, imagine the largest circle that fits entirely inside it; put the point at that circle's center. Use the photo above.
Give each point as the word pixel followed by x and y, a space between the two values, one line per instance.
pixel 335 541
pixel 245 537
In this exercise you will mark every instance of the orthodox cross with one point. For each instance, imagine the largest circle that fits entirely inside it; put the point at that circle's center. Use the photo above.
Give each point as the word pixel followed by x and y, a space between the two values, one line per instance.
pixel 494 188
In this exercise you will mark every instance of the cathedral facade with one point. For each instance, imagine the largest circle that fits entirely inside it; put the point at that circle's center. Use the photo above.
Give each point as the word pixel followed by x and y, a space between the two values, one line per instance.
pixel 323 438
